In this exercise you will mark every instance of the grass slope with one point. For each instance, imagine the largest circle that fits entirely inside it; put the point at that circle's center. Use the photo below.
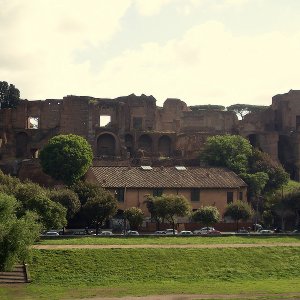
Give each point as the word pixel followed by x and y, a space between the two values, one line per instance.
pixel 65 274
pixel 165 240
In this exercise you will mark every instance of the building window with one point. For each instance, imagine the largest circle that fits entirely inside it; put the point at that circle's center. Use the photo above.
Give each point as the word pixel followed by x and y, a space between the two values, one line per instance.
pixel 241 196
pixel 104 120
pixel 229 197
pixel 195 195
pixel 33 123
pixel 137 123
pixel 157 192
pixel 120 193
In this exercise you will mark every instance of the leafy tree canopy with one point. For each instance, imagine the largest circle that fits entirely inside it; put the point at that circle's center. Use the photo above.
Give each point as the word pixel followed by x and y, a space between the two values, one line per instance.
pixel 238 210
pixel 207 107
pixel 243 109
pixel 34 198
pixel 262 162
pixel 100 208
pixel 86 190
pixel 169 207
pixel 207 215
pixel 231 151
pixel 9 95
pixel 68 199
pixel 16 234
pixel 66 158
pixel 135 217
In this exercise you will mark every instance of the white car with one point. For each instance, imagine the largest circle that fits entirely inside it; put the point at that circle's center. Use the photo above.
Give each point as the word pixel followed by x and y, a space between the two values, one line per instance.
pixel 266 231
pixel 106 233
pixel 204 230
pixel 185 232
pixel 170 231
pixel 52 233
pixel 132 232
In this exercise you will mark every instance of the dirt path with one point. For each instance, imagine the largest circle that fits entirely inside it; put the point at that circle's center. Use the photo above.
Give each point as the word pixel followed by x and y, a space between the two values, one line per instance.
pixel 52 247
pixel 216 296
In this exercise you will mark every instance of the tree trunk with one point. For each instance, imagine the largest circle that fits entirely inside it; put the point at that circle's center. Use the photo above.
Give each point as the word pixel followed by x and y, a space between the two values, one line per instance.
pixel 237 225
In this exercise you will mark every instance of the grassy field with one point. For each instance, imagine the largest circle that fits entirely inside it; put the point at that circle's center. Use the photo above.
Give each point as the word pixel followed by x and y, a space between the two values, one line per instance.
pixel 156 240
pixel 65 274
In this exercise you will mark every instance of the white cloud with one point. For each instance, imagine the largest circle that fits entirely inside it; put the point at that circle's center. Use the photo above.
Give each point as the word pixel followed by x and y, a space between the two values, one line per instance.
pixel 150 7
pixel 208 65
pixel 42 37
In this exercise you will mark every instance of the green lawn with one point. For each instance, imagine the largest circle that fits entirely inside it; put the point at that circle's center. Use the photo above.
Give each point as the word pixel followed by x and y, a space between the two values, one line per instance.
pixel 157 240
pixel 65 274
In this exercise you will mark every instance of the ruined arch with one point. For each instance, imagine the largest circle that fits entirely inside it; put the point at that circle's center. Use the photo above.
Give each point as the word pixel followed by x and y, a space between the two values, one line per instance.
pixel 22 140
pixel 286 155
pixel 164 146
pixel 106 145
pixel 145 143
pixel 254 140
pixel 129 144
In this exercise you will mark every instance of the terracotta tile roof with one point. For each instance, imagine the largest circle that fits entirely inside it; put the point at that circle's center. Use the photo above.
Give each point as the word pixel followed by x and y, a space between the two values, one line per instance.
pixel 166 177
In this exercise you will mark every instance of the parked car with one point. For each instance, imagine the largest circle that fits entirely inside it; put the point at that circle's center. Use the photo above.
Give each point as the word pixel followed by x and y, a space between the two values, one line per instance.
pixel 266 231
pixel 106 233
pixel 132 232
pixel 170 231
pixel 296 231
pixel 158 232
pixel 203 230
pixel 52 233
pixel 185 232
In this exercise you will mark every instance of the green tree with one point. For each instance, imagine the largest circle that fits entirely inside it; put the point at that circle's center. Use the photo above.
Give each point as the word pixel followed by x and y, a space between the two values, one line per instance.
pixel 9 95
pixel 262 162
pixel 243 109
pixel 66 158
pixel 152 208
pixel 68 199
pixel 16 234
pixel 100 208
pixel 169 207
pixel 231 151
pixel 135 217
pixel 207 215
pixel 34 198
pixel 206 107
pixel 85 190
pixel 238 210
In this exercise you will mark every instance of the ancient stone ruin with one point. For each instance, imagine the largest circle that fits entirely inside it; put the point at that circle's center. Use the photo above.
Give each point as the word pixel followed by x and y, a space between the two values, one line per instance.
pixel 133 130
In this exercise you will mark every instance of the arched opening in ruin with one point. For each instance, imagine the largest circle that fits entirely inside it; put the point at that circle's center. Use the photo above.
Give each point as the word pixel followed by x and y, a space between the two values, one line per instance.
pixel 21 144
pixel 286 156
pixel 145 143
pixel 129 144
pixel 254 141
pixel 106 145
pixel 164 146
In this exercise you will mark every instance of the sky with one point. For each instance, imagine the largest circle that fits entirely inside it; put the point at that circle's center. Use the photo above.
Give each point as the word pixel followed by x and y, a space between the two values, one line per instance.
pixel 200 51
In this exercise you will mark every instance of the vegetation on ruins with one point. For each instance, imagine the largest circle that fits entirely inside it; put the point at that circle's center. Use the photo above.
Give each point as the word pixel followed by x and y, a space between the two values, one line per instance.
pixel 243 109
pixel 239 210
pixel 207 107
pixel 230 151
pixel 134 216
pixel 100 208
pixel 66 158
pixel 263 175
pixel 9 95
pixel 207 215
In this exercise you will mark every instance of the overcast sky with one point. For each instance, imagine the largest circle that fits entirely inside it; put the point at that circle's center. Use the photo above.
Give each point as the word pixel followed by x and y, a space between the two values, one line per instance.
pixel 201 51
